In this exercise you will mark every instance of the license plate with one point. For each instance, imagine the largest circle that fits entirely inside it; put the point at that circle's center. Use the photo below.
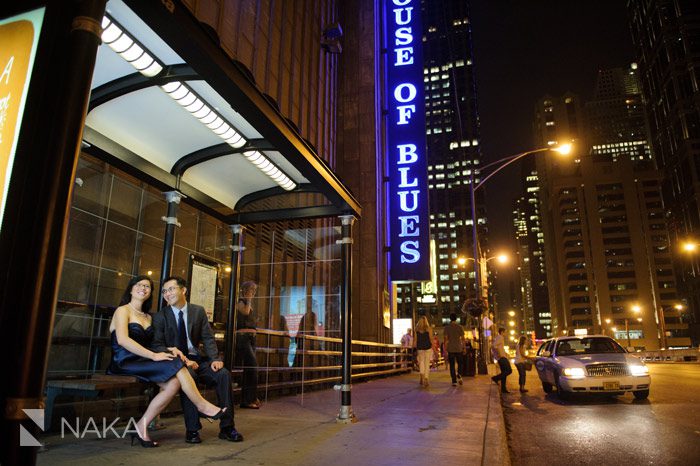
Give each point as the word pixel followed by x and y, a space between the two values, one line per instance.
pixel 611 385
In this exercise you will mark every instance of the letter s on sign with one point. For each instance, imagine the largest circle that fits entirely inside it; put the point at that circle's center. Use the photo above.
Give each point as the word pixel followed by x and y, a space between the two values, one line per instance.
pixel 409 252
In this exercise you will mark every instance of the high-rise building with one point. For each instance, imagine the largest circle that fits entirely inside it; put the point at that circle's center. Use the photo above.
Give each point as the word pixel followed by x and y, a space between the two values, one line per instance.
pixel 666 34
pixel 536 315
pixel 453 152
pixel 557 120
pixel 607 250
pixel 615 116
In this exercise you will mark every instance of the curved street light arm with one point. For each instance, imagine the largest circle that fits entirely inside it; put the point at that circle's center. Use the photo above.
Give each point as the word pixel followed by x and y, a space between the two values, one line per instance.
pixel 505 162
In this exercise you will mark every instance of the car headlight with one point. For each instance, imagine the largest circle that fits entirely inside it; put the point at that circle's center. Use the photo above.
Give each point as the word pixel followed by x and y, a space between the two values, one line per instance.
pixel 574 372
pixel 639 370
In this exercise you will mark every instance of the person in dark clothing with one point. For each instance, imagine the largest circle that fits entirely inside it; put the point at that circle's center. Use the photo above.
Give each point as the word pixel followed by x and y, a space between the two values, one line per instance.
pixel 246 329
pixel 454 341
pixel 133 353
pixel 184 326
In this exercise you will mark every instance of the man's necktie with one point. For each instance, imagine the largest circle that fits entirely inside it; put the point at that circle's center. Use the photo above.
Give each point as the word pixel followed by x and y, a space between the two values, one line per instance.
pixel 181 334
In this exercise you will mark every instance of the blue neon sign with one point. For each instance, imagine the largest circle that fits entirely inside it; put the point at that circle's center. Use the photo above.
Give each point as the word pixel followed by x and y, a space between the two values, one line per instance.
pixel 405 123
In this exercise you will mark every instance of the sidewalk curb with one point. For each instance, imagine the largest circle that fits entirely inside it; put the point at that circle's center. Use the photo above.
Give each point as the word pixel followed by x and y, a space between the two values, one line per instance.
pixel 495 451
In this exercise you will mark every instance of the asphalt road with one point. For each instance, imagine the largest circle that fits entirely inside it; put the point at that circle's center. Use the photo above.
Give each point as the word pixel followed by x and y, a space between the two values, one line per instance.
pixel 663 430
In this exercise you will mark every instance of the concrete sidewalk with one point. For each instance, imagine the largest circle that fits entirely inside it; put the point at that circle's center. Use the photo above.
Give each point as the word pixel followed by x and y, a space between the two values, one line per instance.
pixel 398 423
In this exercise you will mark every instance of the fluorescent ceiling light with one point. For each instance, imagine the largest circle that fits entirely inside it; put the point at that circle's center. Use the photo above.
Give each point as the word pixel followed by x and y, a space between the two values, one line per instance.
pixel 122 43
pixel 267 167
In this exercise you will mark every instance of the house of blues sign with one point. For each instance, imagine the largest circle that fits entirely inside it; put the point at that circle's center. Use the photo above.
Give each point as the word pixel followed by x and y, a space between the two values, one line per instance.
pixel 408 174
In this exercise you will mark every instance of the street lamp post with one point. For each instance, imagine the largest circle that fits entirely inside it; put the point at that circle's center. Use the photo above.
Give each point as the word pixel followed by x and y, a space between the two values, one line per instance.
pixel 663 340
pixel 502 163
pixel 636 309
pixel 502 258
pixel 662 328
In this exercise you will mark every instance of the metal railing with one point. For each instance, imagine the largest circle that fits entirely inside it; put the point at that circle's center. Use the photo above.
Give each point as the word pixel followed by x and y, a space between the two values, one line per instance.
pixel 287 363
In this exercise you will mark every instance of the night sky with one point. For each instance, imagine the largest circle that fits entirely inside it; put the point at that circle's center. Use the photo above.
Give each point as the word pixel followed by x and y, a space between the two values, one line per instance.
pixel 524 49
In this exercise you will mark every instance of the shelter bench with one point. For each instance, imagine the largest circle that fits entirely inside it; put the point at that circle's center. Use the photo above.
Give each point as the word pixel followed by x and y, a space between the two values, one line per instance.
pixel 95 386
pixel 88 388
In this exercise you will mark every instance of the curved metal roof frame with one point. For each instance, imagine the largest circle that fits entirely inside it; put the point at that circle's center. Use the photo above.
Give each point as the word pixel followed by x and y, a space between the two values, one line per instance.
pixel 213 174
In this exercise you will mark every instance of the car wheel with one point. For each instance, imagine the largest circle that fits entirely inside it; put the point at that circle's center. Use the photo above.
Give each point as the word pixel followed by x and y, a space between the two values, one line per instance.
pixel 563 394
pixel 641 394
pixel 547 387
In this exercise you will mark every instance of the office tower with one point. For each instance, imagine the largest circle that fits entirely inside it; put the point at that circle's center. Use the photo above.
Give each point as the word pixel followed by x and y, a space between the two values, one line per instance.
pixel 557 121
pixel 667 38
pixel 607 251
pixel 453 151
pixel 615 116
pixel 536 315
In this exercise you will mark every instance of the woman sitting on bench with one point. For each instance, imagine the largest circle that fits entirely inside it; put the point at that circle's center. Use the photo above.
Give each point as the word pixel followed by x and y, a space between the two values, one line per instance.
pixel 131 336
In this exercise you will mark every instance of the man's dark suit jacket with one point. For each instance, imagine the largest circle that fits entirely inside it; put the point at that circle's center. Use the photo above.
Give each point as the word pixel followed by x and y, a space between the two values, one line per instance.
pixel 198 329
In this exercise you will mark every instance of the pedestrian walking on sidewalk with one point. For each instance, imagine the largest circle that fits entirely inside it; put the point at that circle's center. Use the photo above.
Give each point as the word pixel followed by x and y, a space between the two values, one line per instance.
pixel 521 361
pixel 425 349
pixel 500 354
pixel 454 342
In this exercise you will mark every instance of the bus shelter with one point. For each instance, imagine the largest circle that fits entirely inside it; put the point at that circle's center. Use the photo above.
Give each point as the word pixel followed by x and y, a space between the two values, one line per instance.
pixel 145 87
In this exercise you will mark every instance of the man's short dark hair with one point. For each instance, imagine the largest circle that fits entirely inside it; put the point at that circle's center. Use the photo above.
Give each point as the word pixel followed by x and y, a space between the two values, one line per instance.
pixel 501 329
pixel 453 317
pixel 181 282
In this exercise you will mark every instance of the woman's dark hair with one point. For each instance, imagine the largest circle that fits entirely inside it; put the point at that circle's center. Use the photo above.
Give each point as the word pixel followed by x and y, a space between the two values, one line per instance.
pixel 522 340
pixel 126 297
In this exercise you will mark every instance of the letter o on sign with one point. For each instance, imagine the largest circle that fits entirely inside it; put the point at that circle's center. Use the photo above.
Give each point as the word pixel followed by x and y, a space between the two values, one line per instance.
pixel 399 92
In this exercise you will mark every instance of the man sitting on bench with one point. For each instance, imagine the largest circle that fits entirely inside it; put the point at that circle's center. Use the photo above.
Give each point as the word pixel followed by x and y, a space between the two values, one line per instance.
pixel 185 325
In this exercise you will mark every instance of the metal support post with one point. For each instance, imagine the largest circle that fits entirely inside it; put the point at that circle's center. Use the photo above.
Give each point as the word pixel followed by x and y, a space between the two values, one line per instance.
pixel 663 343
pixel 346 415
pixel 480 357
pixel 173 199
pixel 236 250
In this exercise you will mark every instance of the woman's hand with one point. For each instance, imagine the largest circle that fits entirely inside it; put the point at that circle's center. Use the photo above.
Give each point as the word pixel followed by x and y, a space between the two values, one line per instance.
pixel 162 357
pixel 177 353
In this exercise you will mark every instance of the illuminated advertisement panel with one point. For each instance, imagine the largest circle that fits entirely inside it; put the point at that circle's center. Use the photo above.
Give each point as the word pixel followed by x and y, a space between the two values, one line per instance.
pixel 19 36
pixel 406 153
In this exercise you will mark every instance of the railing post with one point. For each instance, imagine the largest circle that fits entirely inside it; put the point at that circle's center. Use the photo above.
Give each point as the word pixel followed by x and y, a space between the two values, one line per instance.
pixel 236 249
pixel 346 415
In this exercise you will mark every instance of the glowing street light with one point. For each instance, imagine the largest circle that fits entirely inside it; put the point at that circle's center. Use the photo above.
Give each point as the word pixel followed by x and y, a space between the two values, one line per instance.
pixel 607 324
pixel 564 149
pixel 500 258
pixel 689 247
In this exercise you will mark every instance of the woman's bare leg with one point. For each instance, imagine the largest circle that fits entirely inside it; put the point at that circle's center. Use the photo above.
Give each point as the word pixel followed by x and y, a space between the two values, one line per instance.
pixel 168 390
pixel 189 386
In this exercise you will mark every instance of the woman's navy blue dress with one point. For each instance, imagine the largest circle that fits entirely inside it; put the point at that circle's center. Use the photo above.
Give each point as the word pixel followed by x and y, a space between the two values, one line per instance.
pixel 124 362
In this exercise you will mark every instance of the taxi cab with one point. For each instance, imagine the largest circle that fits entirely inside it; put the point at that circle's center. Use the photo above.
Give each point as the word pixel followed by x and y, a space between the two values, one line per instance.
pixel 590 364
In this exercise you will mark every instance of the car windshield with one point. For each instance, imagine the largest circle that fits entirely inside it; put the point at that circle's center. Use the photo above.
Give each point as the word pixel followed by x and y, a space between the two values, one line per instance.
pixel 575 346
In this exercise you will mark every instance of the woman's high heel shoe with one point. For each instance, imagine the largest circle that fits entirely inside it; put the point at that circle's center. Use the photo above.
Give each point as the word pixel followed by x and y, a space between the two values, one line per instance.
pixel 144 443
pixel 215 417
